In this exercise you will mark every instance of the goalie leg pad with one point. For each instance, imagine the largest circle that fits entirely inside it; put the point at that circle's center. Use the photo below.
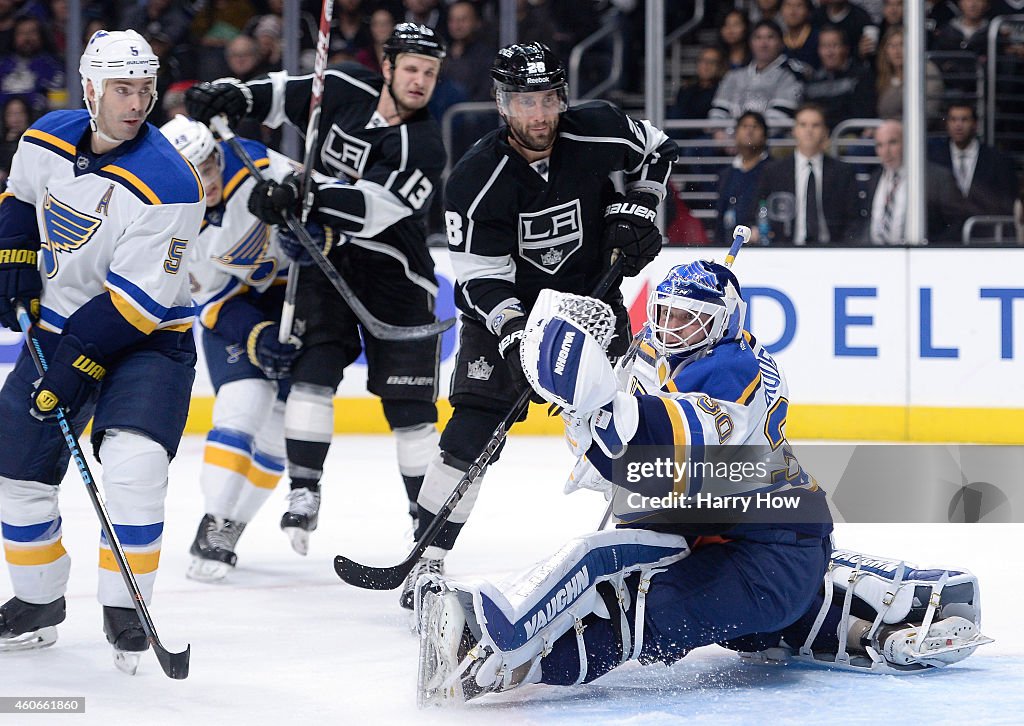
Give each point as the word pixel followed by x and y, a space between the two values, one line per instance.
pixel 887 616
pixel 580 591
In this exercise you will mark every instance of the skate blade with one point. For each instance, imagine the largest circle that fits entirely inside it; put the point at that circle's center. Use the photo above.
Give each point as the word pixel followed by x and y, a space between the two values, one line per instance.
pixel 299 539
pixel 207 570
pixel 41 638
pixel 127 661
pixel 952 645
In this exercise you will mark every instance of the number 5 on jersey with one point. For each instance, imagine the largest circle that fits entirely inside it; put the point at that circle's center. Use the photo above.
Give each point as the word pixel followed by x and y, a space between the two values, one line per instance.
pixel 175 251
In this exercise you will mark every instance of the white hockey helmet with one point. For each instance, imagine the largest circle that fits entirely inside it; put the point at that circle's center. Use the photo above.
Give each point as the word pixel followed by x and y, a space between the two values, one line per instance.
pixel 193 140
pixel 116 54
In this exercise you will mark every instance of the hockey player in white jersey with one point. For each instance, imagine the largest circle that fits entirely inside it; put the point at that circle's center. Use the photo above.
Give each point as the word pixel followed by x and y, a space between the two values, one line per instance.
pixel 110 209
pixel 668 580
pixel 236 269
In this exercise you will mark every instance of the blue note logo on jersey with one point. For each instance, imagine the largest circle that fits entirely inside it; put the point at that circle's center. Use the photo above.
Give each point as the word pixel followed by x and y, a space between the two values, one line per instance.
pixel 66 230
pixel 251 252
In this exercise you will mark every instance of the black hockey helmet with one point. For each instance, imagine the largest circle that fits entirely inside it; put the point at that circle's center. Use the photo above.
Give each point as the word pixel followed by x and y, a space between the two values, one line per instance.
pixel 414 38
pixel 526 67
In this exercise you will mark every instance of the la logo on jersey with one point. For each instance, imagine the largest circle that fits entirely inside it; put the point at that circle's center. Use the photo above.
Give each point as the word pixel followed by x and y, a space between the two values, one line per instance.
pixel 549 237
pixel 66 229
pixel 344 153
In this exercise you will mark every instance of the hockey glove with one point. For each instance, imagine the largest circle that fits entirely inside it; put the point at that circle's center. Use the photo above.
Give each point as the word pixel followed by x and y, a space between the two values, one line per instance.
pixel 631 228
pixel 324 237
pixel 510 337
pixel 20 282
pixel 273 358
pixel 270 200
pixel 228 96
pixel 73 377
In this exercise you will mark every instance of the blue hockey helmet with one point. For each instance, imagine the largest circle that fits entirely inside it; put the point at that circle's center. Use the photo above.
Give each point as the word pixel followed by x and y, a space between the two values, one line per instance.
pixel 695 307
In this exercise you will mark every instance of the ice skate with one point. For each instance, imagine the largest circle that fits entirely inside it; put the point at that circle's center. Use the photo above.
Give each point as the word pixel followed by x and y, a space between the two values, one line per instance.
pixel 947 641
pixel 212 550
pixel 124 631
pixel 27 626
pixel 432 569
pixel 447 652
pixel 301 518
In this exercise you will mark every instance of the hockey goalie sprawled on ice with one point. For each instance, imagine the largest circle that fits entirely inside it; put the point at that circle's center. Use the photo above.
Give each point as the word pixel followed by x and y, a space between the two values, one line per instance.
pixel 656 587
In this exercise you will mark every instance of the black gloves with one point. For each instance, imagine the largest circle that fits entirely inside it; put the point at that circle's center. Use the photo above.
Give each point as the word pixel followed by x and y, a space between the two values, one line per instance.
pixel 270 200
pixel 510 336
pixel 73 376
pixel 323 237
pixel 228 96
pixel 631 228
pixel 265 352
pixel 20 282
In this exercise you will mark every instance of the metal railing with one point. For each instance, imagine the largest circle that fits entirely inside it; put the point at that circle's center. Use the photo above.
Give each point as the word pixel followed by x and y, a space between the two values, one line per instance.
pixel 997 221
pixel 997 30
pixel 609 29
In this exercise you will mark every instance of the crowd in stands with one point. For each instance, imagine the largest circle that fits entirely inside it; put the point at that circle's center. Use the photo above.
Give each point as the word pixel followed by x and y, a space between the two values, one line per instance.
pixel 778 64
pixel 841 59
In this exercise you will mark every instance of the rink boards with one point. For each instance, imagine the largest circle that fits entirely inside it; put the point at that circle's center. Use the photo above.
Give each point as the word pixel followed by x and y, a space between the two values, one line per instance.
pixel 877 344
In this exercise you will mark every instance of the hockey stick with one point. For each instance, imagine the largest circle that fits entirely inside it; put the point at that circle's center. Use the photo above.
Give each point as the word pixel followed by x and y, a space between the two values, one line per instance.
pixel 374 326
pixel 175 665
pixel 306 187
pixel 388 578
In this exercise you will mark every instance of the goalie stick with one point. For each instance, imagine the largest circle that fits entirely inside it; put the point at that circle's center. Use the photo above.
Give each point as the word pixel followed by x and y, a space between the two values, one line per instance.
pixel 175 665
pixel 284 332
pixel 374 326
pixel 388 578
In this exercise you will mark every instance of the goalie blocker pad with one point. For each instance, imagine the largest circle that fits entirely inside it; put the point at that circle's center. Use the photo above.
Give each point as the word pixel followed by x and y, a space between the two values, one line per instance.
pixel 886 592
pixel 563 351
pixel 518 623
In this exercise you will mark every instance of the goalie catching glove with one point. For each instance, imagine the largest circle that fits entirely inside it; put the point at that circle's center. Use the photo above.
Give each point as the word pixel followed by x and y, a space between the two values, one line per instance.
pixel 265 352
pixel 631 228
pixel 563 355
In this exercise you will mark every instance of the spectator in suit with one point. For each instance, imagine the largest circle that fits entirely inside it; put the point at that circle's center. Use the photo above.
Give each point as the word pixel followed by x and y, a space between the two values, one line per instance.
pixel 986 179
pixel 737 185
pixel 811 197
pixel 844 87
pixel 887 195
pixel 769 84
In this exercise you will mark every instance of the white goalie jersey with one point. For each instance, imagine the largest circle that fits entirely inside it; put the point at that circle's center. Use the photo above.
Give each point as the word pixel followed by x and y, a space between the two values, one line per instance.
pixel 121 223
pixel 237 252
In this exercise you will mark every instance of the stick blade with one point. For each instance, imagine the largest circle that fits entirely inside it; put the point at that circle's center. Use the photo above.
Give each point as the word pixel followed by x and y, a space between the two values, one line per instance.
pixel 175 665
pixel 372 578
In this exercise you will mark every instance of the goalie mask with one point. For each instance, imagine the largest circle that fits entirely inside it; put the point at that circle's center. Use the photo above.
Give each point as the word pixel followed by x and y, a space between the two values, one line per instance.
pixel 195 142
pixel 115 54
pixel 694 308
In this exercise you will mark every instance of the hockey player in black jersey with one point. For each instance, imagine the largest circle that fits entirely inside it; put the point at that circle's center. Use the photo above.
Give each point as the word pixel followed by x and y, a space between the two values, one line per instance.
pixel 532 206
pixel 378 164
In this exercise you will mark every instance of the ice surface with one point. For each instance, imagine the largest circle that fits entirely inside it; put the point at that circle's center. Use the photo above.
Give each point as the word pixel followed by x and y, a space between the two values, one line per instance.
pixel 284 641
